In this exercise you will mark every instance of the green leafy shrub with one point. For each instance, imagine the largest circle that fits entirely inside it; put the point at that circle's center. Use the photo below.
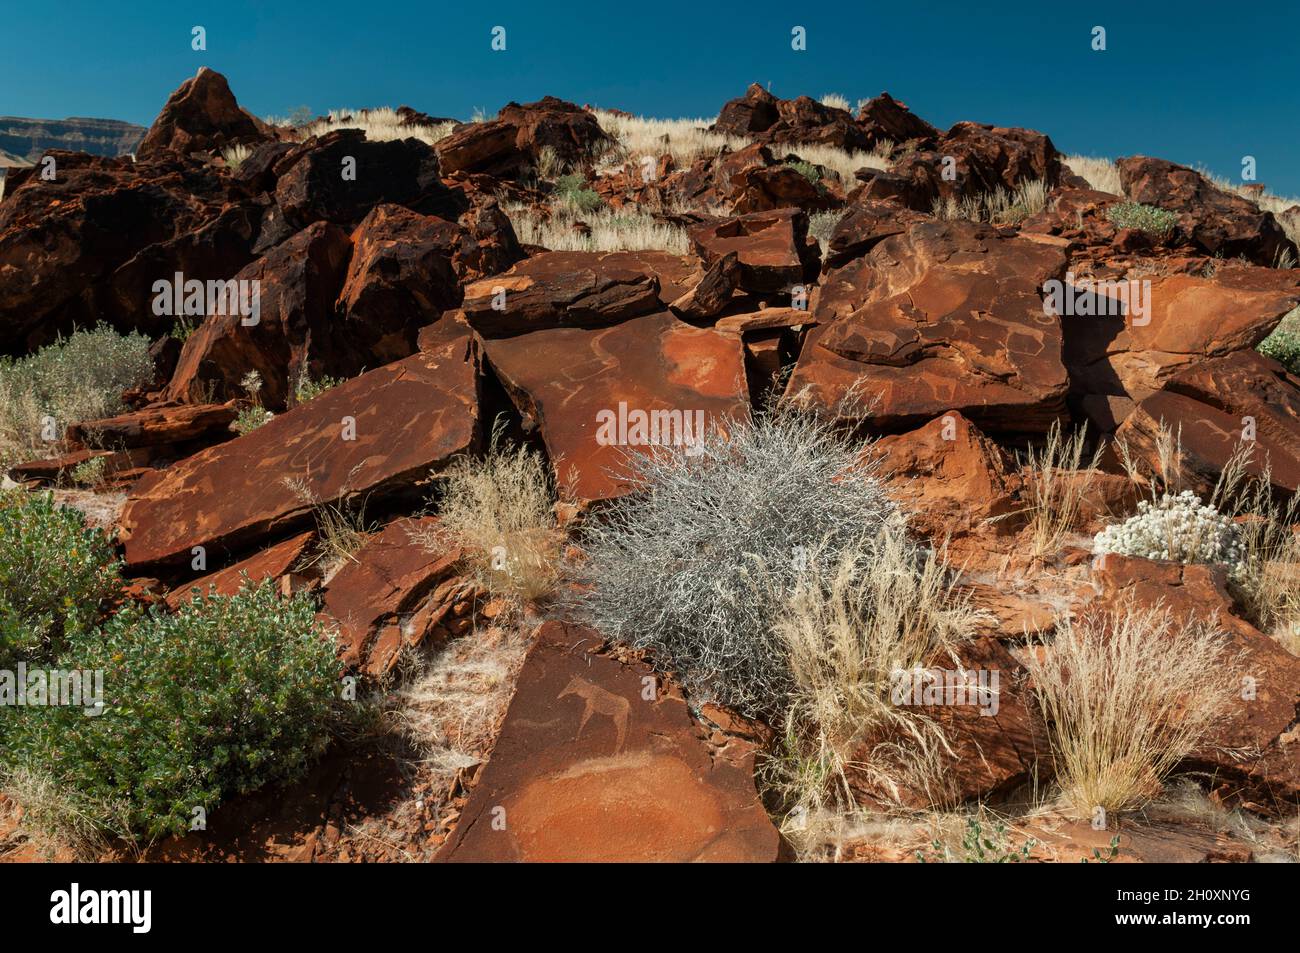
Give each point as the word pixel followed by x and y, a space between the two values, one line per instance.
pixel 90 472
pixel 250 418
pixel 979 846
pixel 1283 345
pixel 56 574
pixel 78 378
pixel 807 170
pixel 1156 222
pixel 308 388
pixel 184 328
pixel 571 191
pixel 228 694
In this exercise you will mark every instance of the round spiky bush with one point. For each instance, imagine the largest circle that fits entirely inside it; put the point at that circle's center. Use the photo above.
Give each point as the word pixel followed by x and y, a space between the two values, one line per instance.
pixel 700 559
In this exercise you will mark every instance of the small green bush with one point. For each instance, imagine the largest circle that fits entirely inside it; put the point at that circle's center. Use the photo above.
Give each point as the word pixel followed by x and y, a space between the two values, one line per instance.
pixel 571 190
pixel 979 846
pixel 90 473
pixel 1156 222
pixel 807 170
pixel 1283 345
pixel 308 388
pixel 184 328
pixel 56 574
pixel 250 418
pixel 78 378
pixel 228 694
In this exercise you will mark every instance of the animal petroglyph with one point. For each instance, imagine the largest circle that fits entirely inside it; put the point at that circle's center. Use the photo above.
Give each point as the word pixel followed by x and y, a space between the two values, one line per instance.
pixel 596 699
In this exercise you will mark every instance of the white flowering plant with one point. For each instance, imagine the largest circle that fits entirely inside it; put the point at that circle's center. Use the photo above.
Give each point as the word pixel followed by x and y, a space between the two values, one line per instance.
pixel 1176 527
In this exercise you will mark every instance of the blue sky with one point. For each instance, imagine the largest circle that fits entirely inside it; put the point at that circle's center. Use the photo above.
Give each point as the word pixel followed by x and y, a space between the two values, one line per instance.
pixel 1193 82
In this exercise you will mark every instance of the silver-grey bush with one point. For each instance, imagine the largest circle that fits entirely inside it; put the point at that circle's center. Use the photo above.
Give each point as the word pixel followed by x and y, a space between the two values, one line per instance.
pixel 696 563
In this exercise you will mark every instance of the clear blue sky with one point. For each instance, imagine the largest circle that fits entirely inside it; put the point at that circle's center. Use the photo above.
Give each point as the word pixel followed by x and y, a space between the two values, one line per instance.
pixel 1195 82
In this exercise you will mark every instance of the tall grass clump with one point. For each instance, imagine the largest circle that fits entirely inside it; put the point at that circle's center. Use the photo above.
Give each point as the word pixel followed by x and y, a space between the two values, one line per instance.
pixel 853 621
pixel 1058 483
pixel 80 377
pixel 1000 207
pixel 1264 571
pixel 698 561
pixel 623 229
pixel 1266 578
pixel 1127 695
pixel 1100 174
pixel 498 509
pixel 380 125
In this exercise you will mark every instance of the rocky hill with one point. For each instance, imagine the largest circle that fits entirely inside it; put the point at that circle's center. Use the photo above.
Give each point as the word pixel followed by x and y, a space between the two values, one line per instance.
pixel 910 405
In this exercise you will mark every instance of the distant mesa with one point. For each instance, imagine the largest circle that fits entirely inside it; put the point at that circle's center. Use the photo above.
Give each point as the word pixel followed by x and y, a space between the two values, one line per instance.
pixel 8 161
pixel 29 139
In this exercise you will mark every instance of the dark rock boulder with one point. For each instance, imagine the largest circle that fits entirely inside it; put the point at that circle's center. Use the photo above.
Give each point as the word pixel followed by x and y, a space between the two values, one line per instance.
pixel 201 116
pixel 1218 222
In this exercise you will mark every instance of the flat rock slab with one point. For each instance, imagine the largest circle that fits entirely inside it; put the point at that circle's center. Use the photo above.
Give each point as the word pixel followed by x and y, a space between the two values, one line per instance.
pixel 271 563
pixel 949 476
pixel 576 289
pixel 1213 406
pixel 562 379
pixel 1190 318
pixel 392 594
pixel 947 316
pixel 157 426
pixel 407 419
pixel 772 247
pixel 599 761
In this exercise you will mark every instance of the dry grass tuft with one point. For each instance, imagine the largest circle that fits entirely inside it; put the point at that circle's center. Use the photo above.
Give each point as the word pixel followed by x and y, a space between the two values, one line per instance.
pixel 57 821
pixel 235 155
pixel 1058 482
pixel 683 139
pixel 1266 578
pixel 341 529
pixel 450 708
pixel 839 161
pixel 1127 695
pixel 611 230
pixel 1101 174
pixel 853 621
pixel 688 139
pixel 999 207
pixel 380 125
pixel 500 511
